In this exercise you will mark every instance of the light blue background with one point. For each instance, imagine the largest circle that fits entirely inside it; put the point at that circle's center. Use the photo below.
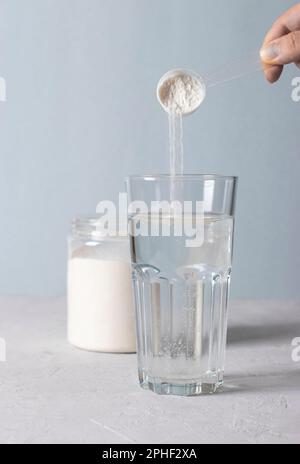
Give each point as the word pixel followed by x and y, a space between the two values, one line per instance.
pixel 81 115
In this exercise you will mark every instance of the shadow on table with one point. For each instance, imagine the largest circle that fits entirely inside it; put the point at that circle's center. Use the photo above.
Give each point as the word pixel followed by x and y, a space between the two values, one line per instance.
pixel 263 382
pixel 260 381
pixel 263 333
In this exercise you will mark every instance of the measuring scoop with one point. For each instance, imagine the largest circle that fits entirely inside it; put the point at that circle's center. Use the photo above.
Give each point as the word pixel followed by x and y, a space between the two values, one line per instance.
pixel 200 84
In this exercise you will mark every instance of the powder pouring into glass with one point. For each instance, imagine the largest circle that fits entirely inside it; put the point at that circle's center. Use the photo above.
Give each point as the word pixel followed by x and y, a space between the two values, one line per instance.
pixel 180 93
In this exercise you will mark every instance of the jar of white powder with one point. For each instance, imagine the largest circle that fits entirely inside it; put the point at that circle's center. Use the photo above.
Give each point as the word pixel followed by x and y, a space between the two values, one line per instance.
pixel 100 304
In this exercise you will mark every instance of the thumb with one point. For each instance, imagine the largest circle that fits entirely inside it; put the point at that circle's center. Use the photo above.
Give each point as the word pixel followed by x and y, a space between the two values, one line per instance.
pixel 282 51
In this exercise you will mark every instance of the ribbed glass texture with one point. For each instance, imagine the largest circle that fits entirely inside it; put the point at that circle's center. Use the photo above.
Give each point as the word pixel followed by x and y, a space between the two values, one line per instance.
pixel 181 292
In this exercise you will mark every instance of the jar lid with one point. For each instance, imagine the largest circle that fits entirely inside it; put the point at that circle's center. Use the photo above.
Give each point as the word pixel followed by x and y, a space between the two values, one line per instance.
pixel 96 228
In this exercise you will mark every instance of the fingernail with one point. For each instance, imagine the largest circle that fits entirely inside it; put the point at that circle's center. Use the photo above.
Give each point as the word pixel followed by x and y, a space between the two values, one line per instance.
pixel 270 53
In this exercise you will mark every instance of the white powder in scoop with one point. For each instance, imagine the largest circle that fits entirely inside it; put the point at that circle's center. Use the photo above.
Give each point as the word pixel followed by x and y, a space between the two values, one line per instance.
pixel 181 93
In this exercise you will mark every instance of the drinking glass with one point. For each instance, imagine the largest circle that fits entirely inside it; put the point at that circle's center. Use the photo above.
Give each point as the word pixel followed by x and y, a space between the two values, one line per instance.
pixel 181 278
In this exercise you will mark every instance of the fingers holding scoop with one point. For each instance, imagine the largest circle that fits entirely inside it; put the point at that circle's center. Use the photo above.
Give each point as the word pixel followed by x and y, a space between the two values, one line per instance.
pixel 282 44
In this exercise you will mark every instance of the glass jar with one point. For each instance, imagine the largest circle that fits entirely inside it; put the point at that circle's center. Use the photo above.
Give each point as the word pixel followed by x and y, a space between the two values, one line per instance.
pixel 100 302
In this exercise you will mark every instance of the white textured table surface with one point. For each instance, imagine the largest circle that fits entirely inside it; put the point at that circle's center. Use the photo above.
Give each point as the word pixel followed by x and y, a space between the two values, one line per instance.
pixel 53 393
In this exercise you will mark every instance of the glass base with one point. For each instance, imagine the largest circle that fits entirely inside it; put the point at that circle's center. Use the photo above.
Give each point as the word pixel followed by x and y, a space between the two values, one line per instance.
pixel 186 389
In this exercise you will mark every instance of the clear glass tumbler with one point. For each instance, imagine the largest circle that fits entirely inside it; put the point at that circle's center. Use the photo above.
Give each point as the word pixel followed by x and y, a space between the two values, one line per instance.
pixel 181 286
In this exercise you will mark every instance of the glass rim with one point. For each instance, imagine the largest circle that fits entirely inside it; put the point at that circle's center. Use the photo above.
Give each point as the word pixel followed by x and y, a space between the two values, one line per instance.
pixel 157 177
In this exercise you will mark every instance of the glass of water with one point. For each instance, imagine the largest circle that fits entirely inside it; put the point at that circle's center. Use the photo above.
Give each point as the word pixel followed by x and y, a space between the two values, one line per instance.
pixel 181 234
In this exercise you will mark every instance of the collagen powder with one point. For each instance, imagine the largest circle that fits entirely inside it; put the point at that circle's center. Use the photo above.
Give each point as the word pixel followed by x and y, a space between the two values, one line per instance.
pixel 100 303
pixel 100 315
pixel 180 93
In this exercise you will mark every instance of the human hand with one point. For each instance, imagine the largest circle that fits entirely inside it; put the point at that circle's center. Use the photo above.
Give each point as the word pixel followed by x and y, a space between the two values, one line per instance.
pixel 282 44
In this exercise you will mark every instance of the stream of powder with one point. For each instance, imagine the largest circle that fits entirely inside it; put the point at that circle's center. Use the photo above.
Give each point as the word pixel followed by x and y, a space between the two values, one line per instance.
pixel 176 154
pixel 176 144
pixel 180 94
